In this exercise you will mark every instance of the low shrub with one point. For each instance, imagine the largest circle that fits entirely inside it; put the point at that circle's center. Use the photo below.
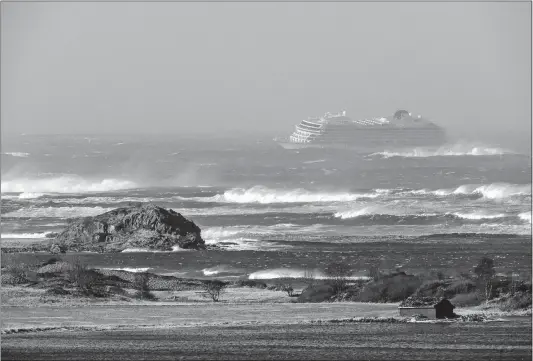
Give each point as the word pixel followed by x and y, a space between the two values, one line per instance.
pixel 523 286
pixel 317 293
pixel 473 318
pixel 517 301
pixel 393 288
pixel 431 288
pixel 251 284
pixel 466 299
pixel 17 273
pixel 57 291
pixel 459 287
pixel 116 290
pixel 52 260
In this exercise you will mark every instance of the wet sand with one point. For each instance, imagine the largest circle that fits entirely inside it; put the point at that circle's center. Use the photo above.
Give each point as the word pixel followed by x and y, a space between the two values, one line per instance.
pixel 457 341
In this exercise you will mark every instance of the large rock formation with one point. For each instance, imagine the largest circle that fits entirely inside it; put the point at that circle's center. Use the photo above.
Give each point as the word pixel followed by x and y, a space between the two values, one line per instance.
pixel 145 226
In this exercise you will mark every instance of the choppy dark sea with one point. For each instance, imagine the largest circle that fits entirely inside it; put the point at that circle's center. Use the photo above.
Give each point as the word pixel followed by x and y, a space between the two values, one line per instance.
pixel 250 195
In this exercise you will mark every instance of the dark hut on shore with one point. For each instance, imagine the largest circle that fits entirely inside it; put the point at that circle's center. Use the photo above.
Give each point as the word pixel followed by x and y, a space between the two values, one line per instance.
pixel 431 307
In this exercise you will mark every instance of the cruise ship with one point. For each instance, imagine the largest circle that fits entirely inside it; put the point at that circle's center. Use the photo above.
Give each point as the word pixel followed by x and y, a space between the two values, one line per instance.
pixel 400 130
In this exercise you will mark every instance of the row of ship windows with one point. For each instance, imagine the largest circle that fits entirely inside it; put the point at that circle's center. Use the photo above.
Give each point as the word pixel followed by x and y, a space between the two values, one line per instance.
pixel 304 134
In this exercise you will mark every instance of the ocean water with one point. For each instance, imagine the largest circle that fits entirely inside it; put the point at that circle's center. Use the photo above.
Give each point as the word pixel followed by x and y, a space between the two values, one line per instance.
pixel 249 195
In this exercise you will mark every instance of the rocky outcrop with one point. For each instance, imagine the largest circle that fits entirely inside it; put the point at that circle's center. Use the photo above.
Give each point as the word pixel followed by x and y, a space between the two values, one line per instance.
pixel 144 227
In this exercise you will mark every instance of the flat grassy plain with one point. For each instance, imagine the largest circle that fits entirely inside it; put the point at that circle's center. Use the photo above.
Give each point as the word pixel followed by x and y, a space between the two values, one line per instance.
pixel 350 341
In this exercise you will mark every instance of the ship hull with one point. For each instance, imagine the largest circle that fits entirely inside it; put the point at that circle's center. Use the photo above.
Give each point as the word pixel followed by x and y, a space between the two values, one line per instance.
pixel 364 146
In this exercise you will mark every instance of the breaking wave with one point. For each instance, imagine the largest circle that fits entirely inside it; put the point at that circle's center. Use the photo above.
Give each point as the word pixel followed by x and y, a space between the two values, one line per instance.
pixel 526 217
pixel 130 269
pixel 293 273
pixel 264 195
pixel 23 235
pixel 64 184
pixel 453 150
pixel 490 191
pixel 17 154
pixel 384 216
pixel 477 216
pixel 220 269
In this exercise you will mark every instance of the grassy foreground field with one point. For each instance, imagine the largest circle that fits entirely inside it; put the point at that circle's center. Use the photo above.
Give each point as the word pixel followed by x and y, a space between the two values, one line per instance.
pixel 369 341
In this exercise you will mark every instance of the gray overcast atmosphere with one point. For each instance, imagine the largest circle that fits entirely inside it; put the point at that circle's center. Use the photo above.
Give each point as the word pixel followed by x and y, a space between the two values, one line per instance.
pixel 225 67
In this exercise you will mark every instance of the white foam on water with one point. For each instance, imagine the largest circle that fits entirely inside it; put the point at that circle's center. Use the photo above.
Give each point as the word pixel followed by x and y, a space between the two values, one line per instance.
pixel 95 200
pixel 30 195
pixel 525 216
pixel 130 269
pixel 478 215
pixel 264 195
pixel 488 191
pixel 212 271
pixel 451 150
pixel 275 273
pixel 23 235
pixel 286 273
pixel 356 212
pixel 65 184
pixel 17 154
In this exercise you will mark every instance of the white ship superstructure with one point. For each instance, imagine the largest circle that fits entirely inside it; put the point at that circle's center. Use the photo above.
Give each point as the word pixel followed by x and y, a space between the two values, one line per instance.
pixel 338 130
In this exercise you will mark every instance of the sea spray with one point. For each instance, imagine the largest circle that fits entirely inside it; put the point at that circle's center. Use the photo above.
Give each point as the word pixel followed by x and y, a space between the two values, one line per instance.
pixel 452 150
pixel 65 184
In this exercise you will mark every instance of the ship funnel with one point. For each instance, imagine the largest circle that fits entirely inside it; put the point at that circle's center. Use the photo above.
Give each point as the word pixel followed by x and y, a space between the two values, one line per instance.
pixel 344 113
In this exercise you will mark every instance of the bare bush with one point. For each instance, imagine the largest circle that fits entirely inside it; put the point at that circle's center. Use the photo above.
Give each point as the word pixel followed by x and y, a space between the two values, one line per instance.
pixel 141 285
pixel 485 277
pixel 337 273
pixel 285 285
pixel 85 279
pixel 485 268
pixel 214 289
pixel 374 272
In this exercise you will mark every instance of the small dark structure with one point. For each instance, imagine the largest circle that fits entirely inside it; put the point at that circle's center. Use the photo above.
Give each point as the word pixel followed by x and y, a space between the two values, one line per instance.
pixel 430 307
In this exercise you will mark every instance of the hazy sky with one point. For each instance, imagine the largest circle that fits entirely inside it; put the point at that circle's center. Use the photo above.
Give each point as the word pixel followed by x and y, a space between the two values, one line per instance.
pixel 210 67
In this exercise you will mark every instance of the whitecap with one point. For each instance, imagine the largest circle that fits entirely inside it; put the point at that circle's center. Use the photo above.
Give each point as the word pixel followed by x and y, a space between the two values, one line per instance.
pixel 264 195
pixel 276 273
pixel 488 191
pixel 23 235
pixel 212 271
pixel 17 154
pixel 525 216
pixel 451 150
pixel 130 269
pixel 477 215
pixel 64 184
